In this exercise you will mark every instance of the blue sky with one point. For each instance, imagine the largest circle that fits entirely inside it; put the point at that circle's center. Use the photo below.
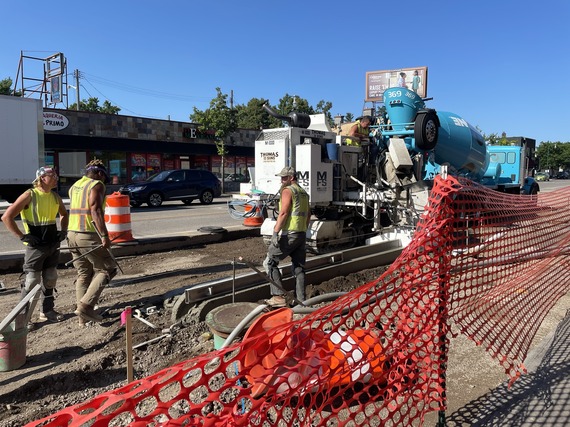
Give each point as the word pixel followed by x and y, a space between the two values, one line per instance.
pixel 502 66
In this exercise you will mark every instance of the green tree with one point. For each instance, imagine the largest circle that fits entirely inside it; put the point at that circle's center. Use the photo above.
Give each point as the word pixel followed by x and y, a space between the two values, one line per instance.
pixel 6 87
pixel 92 105
pixel 253 115
pixel 221 119
pixel 108 108
pixel 325 107
pixel 490 139
pixel 496 139
pixel 553 156
pixel 288 104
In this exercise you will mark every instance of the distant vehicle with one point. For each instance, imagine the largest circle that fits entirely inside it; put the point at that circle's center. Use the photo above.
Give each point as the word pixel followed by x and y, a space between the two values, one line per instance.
pixel 562 175
pixel 542 176
pixel 181 184
pixel 236 177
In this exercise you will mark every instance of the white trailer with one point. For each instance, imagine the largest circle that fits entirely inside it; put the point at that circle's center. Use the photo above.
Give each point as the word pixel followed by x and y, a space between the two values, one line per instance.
pixel 21 143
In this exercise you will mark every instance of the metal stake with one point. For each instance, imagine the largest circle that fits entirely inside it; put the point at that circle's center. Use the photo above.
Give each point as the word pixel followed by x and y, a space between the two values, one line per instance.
pixel 108 249
pixel 234 281
pixel 68 263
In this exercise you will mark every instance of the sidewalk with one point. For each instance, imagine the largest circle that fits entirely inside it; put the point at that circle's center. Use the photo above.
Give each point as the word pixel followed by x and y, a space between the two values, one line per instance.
pixel 539 398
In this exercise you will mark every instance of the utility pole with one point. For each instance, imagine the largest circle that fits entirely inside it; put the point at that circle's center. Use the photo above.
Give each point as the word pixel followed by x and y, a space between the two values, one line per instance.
pixel 76 74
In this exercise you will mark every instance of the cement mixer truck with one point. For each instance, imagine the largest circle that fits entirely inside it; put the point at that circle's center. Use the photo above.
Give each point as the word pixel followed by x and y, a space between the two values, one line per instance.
pixel 434 139
pixel 378 190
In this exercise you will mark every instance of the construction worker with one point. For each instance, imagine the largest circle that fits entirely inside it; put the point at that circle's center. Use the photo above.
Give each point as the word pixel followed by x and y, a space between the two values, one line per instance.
pixel 359 132
pixel 38 209
pixel 292 223
pixel 95 268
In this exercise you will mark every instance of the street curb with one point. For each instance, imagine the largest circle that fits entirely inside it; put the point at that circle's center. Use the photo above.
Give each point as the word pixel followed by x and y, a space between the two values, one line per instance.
pixel 12 263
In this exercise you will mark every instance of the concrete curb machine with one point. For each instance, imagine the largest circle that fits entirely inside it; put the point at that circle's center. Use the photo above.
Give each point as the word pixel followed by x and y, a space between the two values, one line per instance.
pixel 377 191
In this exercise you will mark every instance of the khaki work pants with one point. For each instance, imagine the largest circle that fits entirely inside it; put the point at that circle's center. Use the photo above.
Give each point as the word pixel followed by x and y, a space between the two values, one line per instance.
pixel 94 271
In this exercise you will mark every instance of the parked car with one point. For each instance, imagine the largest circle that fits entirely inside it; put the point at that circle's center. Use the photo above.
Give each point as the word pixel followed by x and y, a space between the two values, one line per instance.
pixel 542 176
pixel 236 177
pixel 562 175
pixel 180 184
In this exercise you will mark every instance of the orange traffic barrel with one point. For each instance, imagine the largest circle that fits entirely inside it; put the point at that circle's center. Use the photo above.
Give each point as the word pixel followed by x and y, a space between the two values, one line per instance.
pixel 256 218
pixel 118 218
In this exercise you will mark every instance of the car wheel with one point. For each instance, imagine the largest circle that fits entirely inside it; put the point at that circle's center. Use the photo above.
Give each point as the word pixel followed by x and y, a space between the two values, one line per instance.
pixel 206 197
pixel 155 200
pixel 187 201
pixel 134 204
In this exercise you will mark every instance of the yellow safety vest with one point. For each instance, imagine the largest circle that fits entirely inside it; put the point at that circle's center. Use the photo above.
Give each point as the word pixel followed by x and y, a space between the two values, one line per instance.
pixel 359 130
pixel 297 220
pixel 79 210
pixel 38 218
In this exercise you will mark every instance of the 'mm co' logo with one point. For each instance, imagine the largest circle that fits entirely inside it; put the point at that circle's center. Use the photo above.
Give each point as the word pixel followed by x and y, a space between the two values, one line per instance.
pixel 303 178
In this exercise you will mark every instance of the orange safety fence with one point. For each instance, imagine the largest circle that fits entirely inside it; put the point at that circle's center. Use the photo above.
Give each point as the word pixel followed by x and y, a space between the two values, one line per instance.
pixel 486 264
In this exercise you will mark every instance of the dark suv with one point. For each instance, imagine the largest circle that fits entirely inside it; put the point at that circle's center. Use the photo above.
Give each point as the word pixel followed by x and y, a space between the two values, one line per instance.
pixel 180 184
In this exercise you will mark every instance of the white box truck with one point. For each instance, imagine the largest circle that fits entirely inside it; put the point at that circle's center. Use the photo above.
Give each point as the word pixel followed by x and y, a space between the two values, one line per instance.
pixel 21 144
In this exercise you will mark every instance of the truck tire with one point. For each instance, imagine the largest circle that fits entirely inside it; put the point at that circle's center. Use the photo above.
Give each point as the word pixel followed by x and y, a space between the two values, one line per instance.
pixel 426 130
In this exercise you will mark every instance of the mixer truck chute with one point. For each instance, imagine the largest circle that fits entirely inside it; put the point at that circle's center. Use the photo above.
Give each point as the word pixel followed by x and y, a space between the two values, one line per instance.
pixel 377 191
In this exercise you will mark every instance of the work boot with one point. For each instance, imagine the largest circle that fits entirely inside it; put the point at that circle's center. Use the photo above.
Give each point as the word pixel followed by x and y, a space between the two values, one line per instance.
pixel 276 301
pixel 87 312
pixel 51 316
pixel 82 321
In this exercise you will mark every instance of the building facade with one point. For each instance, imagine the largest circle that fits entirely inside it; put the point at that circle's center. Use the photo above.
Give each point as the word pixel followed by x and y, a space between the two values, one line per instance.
pixel 134 148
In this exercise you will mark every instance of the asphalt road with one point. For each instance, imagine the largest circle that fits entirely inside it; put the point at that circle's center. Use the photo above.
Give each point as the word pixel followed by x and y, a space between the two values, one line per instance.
pixel 171 219
pixel 177 219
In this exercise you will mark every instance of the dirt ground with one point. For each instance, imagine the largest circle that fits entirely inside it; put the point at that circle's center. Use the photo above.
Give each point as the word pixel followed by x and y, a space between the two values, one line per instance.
pixel 67 364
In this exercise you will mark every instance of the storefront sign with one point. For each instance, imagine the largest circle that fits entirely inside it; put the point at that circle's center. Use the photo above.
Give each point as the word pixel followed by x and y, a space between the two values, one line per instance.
pixel 55 121
pixel 189 133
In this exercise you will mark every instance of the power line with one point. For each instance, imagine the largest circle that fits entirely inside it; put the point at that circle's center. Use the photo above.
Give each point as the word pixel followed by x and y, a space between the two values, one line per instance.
pixel 106 98
pixel 142 91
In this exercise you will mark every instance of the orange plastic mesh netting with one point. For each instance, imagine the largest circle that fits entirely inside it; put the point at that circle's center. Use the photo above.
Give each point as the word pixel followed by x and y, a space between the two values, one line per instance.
pixel 486 264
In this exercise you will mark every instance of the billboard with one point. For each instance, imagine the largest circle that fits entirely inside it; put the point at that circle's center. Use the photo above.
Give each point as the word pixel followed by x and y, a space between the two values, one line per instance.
pixel 412 78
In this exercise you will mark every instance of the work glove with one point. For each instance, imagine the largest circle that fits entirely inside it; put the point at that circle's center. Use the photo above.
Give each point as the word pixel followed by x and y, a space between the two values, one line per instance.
pixel 31 240
pixel 61 236
pixel 275 239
